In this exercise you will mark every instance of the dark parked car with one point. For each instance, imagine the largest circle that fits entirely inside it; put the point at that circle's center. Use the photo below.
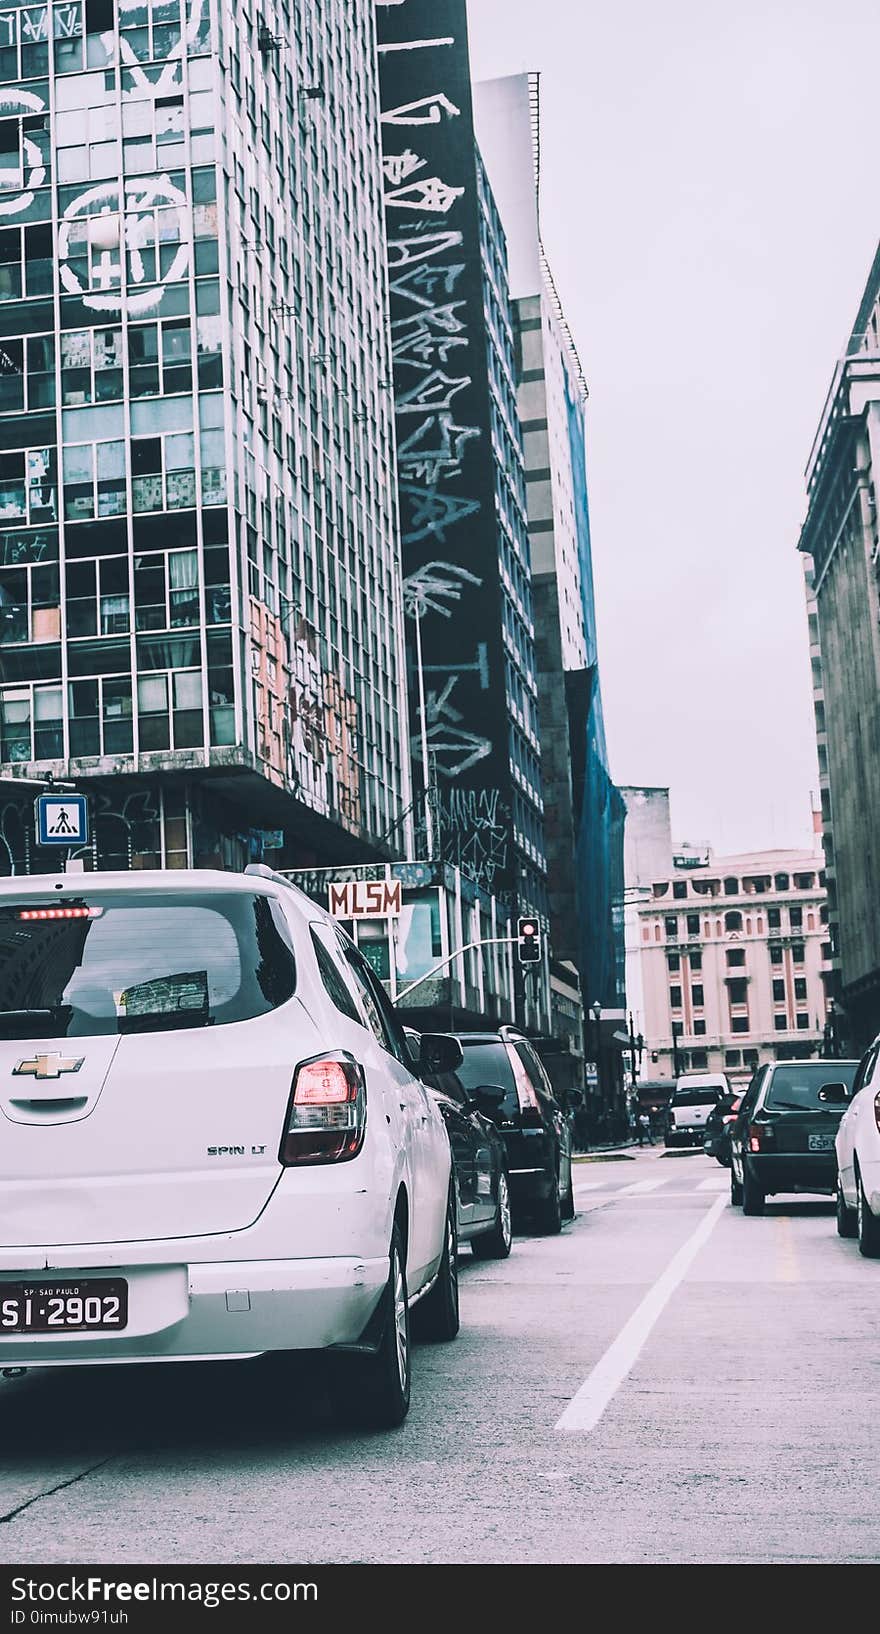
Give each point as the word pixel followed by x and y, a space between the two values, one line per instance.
pixel 783 1137
pixel 717 1129
pixel 536 1130
pixel 479 1161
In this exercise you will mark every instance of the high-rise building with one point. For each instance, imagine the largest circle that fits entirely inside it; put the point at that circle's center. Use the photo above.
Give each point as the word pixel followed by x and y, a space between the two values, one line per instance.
pixel 200 603
pixel 584 813
pixel 467 588
pixel 841 541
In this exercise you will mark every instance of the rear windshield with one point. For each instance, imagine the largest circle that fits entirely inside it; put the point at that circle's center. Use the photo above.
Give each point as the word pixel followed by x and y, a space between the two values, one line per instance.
pixel 140 962
pixel 792 1088
pixel 696 1097
pixel 487 1064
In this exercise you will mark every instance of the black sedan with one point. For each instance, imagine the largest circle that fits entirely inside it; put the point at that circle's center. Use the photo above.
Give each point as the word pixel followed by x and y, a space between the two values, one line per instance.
pixel 783 1137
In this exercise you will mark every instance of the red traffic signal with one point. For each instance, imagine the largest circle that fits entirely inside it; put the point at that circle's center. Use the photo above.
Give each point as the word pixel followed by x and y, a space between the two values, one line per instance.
pixel 528 934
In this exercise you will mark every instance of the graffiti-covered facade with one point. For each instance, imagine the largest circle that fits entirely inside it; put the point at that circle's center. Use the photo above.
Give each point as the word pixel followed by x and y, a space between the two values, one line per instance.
pixel 199 559
pixel 467 588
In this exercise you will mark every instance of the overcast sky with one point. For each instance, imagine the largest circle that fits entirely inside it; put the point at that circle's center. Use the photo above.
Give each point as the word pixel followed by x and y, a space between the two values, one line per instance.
pixel 710 208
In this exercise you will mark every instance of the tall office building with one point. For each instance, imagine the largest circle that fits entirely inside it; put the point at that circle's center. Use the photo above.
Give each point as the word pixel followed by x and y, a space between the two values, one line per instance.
pixel 584 809
pixel 200 604
pixel 467 587
pixel 840 540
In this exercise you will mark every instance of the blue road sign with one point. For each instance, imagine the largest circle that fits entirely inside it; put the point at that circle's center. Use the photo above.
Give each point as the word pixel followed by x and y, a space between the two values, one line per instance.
pixel 62 819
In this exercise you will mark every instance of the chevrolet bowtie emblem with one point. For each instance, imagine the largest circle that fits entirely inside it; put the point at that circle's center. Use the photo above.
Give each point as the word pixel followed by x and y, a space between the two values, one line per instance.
pixel 47 1066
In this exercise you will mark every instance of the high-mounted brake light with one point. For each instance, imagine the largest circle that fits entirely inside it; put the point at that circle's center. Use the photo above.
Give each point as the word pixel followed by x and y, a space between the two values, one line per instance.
pixel 327 1112
pixel 60 913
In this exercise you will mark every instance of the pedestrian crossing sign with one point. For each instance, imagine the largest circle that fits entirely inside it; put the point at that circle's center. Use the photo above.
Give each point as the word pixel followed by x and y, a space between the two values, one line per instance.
pixel 62 819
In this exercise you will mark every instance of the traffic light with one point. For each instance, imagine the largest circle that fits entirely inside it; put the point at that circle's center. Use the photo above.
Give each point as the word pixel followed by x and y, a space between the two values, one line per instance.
pixel 528 933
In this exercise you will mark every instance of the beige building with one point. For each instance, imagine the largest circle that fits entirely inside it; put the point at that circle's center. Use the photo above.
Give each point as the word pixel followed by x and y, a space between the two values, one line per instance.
pixel 727 956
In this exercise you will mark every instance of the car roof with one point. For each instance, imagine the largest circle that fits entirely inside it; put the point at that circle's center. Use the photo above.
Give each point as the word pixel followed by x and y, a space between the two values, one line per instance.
pixel 138 880
pixel 817 1061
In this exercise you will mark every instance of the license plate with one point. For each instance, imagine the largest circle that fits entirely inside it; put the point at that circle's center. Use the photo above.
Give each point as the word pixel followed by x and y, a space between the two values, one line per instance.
pixel 99 1305
pixel 820 1143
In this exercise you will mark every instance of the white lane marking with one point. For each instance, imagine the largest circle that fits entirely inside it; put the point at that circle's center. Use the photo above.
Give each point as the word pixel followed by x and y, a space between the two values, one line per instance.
pixel 643 1186
pixel 714 1182
pixel 586 1408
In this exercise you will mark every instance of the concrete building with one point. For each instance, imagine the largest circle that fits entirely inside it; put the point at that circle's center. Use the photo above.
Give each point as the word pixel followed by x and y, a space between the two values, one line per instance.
pixel 199 556
pixel 583 809
pixel 840 539
pixel 732 953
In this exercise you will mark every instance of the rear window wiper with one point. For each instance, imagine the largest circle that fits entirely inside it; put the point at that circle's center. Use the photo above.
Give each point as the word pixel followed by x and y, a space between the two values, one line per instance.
pixel 794 1106
pixel 21 1023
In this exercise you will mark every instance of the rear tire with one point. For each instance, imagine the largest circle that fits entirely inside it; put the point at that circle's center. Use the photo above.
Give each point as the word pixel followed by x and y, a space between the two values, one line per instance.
pixel 374 1391
pixel 568 1199
pixel 847 1218
pixel 752 1195
pixel 548 1214
pixel 496 1244
pixel 867 1227
pixel 736 1191
pixel 437 1315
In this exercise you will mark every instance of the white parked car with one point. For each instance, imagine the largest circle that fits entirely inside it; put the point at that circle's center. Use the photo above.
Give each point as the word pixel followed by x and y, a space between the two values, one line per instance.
pixel 858 1158
pixel 214 1137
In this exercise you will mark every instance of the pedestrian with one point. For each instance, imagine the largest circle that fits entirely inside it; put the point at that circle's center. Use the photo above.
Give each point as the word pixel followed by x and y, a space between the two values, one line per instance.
pixel 644 1128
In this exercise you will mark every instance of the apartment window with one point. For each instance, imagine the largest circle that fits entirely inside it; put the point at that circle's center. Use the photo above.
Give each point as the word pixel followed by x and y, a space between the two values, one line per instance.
pixel 797 952
pixel 803 1021
pixel 673 961
pixel 805 882
pixel 779 992
pixel 697 995
pixel 775 954
pixel 796 918
pixel 675 997
pixel 699 1060
pixel 736 956
pixel 699 1027
pixel 781 882
pixel 94 480
pixel 732 1058
pixel 731 887
pixel 693 924
pixel 679 887
pixel 774 918
pixel 696 961
pixel 800 987
pixel 671 924
pixel 738 990
pixel 780 1023
pixel 750 1058
pixel 733 920
pixel 739 1024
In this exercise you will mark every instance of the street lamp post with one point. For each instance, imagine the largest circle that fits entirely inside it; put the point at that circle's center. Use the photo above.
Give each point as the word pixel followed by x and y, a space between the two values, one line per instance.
pixel 676 1059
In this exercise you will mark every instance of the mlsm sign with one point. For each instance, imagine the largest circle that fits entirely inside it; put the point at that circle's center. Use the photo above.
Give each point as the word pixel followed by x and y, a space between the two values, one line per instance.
pixel 366 899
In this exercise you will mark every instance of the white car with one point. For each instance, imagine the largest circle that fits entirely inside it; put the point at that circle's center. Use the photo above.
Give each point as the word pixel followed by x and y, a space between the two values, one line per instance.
pixel 214 1138
pixel 858 1158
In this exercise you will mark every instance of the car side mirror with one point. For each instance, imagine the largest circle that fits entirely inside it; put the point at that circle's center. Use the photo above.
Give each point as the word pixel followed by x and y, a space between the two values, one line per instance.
pixel 439 1052
pixel 834 1094
pixel 487 1098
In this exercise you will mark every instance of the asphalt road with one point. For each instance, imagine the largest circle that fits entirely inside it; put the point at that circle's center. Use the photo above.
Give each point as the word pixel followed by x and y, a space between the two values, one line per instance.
pixel 714 1377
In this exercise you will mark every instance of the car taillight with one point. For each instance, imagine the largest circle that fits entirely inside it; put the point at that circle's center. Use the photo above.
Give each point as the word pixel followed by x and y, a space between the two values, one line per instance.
pixel 760 1134
pixel 526 1095
pixel 327 1111
pixel 877 1109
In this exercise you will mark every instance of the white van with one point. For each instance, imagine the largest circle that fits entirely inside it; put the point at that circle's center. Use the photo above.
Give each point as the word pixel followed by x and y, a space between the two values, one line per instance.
pixel 693 1099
